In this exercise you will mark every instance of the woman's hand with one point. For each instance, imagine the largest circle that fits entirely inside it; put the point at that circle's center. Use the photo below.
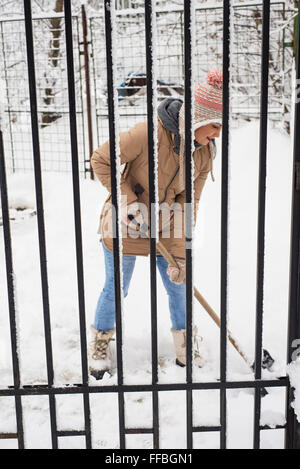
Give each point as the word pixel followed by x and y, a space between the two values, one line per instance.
pixel 177 275
pixel 134 218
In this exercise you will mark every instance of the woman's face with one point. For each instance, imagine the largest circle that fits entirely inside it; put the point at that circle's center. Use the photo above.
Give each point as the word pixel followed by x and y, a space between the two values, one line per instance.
pixel 205 134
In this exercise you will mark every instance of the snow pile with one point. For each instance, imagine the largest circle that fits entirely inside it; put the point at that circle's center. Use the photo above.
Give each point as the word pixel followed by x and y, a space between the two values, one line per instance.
pixel 294 375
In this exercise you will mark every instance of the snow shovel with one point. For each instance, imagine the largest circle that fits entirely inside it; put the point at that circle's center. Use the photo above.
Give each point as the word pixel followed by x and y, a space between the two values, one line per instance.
pixel 267 360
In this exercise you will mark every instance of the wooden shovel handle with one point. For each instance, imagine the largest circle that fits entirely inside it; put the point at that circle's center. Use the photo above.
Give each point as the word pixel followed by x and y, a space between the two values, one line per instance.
pixel 171 260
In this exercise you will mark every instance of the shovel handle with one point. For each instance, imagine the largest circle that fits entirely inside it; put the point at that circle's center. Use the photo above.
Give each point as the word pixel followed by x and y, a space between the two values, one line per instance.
pixel 170 259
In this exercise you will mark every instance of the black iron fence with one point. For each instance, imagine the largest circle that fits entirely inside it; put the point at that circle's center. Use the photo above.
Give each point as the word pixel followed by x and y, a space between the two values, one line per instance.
pixel 223 385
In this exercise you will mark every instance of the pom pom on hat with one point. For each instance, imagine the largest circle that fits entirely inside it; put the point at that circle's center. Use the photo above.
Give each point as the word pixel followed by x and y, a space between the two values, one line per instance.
pixel 215 79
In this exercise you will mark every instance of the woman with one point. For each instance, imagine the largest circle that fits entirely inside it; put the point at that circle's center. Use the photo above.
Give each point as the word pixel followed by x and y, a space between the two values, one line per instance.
pixel 135 201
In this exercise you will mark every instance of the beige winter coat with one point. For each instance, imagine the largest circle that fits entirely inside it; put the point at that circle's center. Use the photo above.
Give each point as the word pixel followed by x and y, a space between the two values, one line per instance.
pixel 134 153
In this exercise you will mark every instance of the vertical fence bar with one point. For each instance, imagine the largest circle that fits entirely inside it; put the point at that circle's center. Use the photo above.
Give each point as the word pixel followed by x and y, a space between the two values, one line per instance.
pixel 261 214
pixel 77 217
pixel 150 23
pixel 189 17
pixel 112 108
pixel 292 436
pixel 224 221
pixel 88 86
pixel 10 277
pixel 40 212
pixel 81 87
pixel 94 72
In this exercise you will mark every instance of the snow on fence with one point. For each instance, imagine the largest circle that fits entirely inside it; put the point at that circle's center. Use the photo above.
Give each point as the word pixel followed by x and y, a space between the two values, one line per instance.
pixel 90 78
pixel 246 60
pixel 257 379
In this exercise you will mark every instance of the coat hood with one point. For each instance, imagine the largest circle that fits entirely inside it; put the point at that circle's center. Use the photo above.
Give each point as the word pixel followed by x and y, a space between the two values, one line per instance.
pixel 168 112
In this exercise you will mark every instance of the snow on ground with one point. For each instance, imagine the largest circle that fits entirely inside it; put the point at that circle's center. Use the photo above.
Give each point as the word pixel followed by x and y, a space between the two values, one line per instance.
pixel 59 220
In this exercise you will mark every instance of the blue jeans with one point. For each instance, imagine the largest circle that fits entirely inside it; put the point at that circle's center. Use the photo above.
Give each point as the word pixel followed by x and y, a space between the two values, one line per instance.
pixel 105 312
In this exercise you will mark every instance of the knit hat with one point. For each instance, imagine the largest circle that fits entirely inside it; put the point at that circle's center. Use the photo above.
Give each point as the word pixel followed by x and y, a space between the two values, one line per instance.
pixel 208 103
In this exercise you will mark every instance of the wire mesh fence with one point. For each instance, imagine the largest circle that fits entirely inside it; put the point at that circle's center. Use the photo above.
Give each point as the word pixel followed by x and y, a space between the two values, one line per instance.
pixel 49 34
pixel 52 96
pixel 245 56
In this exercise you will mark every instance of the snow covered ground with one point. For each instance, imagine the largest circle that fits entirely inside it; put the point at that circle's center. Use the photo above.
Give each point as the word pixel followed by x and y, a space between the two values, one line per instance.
pixel 137 345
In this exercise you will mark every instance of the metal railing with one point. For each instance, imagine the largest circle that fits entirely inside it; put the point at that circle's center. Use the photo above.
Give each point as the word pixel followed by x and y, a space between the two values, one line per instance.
pixel 84 389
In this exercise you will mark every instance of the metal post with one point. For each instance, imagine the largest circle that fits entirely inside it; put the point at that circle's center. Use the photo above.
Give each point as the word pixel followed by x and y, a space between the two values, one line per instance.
pixel 82 113
pixel 189 17
pixel 293 426
pixel 296 31
pixel 77 217
pixel 261 214
pixel 40 213
pixel 94 72
pixel 224 220
pixel 150 23
pixel 87 86
pixel 112 107
pixel 10 276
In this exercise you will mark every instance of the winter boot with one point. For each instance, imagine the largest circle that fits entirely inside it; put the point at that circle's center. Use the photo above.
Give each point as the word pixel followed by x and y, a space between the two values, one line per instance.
pixel 99 352
pixel 179 337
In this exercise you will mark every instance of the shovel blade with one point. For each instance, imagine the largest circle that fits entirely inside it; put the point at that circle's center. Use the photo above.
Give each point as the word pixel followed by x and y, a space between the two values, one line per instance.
pixel 267 361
